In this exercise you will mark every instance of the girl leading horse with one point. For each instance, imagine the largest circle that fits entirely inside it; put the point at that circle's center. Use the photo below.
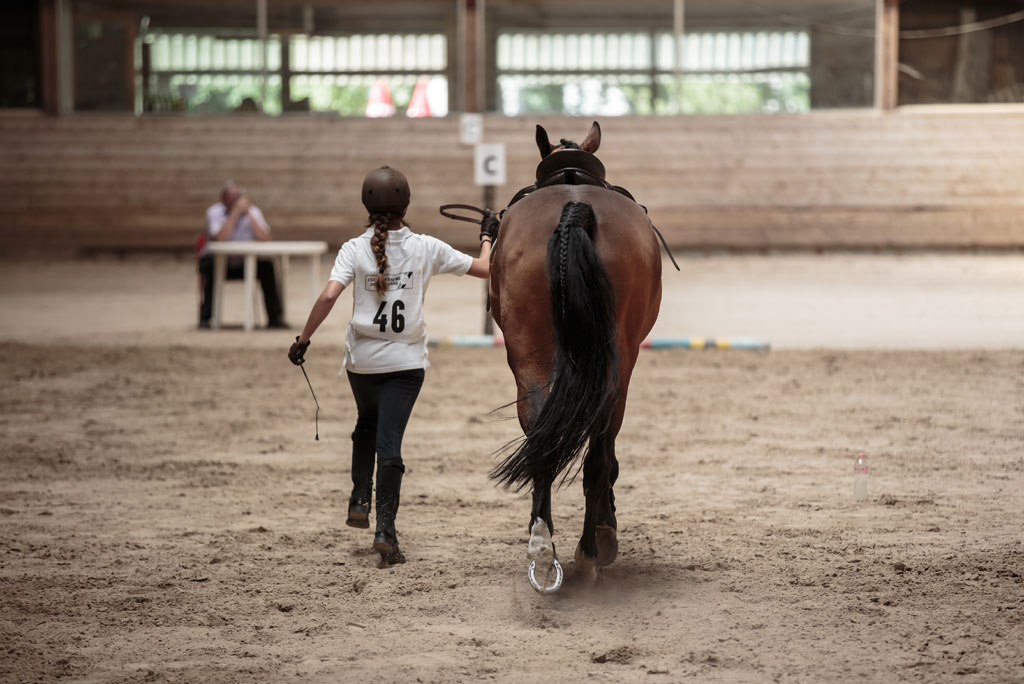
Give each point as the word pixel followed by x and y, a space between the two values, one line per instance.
pixel 575 287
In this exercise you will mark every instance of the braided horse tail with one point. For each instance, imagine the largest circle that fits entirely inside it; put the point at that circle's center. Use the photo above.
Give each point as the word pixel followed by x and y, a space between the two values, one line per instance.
pixel 583 385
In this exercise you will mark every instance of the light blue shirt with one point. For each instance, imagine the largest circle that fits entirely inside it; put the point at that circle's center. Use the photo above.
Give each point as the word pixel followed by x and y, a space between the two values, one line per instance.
pixel 217 216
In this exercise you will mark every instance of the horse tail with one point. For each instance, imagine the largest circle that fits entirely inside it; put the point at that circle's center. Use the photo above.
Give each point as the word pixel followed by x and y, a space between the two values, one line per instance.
pixel 584 380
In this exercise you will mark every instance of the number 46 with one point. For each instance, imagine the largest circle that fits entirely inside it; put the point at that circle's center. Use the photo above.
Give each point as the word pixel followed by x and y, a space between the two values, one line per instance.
pixel 397 319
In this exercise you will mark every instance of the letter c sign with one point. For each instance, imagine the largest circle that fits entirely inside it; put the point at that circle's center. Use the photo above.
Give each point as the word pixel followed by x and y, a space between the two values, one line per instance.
pixel 489 164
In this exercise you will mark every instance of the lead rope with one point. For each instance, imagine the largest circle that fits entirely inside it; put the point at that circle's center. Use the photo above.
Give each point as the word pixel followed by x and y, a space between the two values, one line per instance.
pixel 316 417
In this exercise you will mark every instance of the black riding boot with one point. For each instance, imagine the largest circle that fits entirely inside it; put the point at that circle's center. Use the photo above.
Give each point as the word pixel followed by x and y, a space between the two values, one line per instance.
pixel 359 505
pixel 385 542
pixel 363 454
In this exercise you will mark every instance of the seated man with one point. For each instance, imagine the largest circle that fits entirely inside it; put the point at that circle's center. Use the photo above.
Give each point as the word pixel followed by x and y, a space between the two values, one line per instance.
pixel 236 218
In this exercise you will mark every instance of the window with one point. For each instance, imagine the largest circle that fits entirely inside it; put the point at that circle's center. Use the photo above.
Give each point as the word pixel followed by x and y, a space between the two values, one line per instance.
pixel 957 51
pixel 352 75
pixel 633 73
pixel 370 74
pixel 211 74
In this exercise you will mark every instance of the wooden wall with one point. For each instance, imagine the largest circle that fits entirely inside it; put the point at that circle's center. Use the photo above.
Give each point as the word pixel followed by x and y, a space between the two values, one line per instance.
pixel 848 179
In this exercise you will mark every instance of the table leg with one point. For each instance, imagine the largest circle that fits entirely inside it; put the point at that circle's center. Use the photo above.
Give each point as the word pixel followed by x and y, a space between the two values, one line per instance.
pixel 282 288
pixel 314 283
pixel 219 273
pixel 249 274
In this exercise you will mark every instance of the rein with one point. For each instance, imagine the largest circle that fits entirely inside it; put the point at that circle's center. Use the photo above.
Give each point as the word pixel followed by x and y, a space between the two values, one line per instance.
pixel 445 211
pixel 457 217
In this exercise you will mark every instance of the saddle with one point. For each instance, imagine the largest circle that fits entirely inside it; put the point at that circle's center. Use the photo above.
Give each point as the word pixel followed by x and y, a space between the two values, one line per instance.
pixel 567 167
pixel 578 167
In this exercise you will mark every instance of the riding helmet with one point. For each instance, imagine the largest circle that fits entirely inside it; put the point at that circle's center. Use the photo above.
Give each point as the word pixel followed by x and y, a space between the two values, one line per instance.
pixel 385 190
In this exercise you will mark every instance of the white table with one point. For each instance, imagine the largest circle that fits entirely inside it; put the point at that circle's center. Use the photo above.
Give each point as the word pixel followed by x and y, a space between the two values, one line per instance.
pixel 250 250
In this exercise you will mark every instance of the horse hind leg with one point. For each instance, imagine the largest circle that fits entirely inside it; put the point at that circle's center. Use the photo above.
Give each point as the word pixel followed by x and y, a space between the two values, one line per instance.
pixel 607 526
pixel 545 573
pixel 605 536
pixel 541 506
pixel 598 545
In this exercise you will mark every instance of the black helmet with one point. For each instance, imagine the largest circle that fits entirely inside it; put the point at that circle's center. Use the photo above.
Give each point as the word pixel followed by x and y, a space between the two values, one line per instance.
pixel 385 190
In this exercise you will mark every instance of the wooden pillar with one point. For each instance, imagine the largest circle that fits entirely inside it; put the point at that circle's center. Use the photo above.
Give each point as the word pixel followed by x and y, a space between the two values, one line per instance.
pixel 678 28
pixel 65 58
pixel 147 75
pixel 472 36
pixel 887 41
pixel 480 55
pixel 286 72
pixel 488 57
pixel 973 61
pixel 261 31
pixel 654 71
pixel 56 44
pixel 131 30
pixel 453 66
pixel 462 39
pixel 469 34
pixel 48 55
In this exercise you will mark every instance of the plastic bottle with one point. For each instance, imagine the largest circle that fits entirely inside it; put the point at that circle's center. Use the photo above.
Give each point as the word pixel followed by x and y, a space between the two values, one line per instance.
pixel 860 478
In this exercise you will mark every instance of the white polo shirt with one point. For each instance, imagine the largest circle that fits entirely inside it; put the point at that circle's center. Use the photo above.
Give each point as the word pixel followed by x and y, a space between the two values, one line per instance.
pixel 217 216
pixel 388 333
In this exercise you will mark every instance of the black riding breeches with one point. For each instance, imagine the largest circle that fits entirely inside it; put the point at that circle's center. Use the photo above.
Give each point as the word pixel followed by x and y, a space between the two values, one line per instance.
pixel 384 402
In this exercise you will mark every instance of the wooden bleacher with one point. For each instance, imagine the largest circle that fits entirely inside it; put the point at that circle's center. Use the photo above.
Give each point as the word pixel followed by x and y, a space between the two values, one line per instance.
pixel 845 179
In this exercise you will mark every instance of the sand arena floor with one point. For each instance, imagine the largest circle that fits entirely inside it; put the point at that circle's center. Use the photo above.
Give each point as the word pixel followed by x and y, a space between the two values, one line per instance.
pixel 165 514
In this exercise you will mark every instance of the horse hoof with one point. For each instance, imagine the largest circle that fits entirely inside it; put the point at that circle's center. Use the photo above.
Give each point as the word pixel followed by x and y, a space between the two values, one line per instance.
pixel 607 545
pixel 584 567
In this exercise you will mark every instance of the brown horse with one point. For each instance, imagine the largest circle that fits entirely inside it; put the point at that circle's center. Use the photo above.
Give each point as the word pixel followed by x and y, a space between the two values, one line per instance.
pixel 575 287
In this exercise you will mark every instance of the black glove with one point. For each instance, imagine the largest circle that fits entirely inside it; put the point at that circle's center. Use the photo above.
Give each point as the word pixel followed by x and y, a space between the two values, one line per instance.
pixel 489 226
pixel 297 352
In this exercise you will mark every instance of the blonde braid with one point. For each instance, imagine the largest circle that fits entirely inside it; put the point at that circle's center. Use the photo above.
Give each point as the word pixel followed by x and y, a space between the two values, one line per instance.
pixel 378 242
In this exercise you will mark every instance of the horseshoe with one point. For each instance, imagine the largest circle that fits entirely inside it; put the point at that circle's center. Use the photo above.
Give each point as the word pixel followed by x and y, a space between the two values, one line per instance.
pixel 532 574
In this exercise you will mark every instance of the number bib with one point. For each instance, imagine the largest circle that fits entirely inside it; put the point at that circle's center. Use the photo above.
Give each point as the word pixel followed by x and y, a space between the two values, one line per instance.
pixel 387 332
pixel 398 315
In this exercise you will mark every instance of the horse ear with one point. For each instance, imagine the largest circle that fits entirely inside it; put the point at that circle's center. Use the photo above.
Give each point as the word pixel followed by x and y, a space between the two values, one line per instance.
pixel 542 142
pixel 593 139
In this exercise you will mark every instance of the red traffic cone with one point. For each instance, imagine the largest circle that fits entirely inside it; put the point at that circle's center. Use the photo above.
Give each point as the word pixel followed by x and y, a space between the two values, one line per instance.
pixel 380 105
pixel 418 105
